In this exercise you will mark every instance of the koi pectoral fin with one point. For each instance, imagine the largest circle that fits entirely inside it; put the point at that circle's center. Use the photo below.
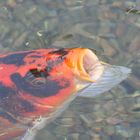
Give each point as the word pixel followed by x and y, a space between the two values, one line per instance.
pixel 112 76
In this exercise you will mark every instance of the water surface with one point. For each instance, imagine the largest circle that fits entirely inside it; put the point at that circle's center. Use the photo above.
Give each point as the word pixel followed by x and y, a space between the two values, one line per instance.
pixel 112 28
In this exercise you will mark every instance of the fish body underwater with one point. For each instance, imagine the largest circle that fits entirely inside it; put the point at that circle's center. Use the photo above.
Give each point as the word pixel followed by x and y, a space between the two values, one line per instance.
pixel 37 85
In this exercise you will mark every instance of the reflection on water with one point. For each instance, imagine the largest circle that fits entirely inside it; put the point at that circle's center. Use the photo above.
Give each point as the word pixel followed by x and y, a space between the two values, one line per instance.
pixel 107 26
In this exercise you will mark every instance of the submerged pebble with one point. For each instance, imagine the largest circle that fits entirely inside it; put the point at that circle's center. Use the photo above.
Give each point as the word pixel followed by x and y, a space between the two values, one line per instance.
pixel 45 135
pixel 124 130
pixel 74 136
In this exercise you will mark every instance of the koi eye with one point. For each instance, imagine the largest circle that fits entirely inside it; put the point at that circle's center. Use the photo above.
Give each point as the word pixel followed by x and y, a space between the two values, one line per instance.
pixel 36 78
pixel 38 82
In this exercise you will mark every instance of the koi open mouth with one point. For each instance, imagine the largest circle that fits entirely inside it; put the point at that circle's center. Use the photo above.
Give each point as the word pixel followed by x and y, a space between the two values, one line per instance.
pixel 92 66
pixel 85 64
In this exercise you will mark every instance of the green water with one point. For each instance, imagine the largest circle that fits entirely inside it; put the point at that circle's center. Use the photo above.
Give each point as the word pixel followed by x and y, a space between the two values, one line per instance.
pixel 112 28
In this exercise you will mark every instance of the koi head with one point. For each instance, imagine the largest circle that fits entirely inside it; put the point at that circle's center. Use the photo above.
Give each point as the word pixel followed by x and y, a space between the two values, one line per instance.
pixel 85 64
pixel 43 82
pixel 92 74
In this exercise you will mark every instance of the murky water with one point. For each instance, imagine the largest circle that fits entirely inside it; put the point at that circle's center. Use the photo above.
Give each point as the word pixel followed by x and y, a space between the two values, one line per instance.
pixel 112 28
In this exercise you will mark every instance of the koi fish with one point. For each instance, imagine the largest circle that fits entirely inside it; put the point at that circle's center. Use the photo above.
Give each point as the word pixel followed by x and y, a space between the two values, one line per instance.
pixel 37 85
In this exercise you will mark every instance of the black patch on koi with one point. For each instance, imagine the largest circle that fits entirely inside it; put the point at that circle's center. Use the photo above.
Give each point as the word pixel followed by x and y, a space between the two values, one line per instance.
pixel 27 106
pixel 49 88
pixel 17 59
pixel 5 91
pixel 17 106
pixel 7 116
pixel 61 51
pixel 50 64
pixel 35 56
pixel 53 63
pixel 49 67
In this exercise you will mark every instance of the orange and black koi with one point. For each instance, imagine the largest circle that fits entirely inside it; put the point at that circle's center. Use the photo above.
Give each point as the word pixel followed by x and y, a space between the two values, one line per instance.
pixel 39 82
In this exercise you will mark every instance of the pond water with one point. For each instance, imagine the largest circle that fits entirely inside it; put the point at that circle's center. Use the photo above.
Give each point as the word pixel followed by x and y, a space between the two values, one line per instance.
pixel 112 28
